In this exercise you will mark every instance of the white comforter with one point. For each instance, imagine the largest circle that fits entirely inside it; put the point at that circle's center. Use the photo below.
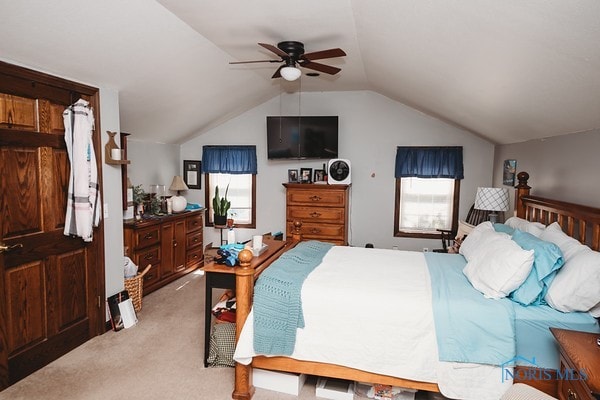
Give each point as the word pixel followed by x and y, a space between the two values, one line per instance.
pixel 377 316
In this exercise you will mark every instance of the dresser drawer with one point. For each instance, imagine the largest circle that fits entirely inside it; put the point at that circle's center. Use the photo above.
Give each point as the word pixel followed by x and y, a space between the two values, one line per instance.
pixel 194 223
pixel 147 237
pixel 152 276
pixel 573 389
pixel 318 231
pixel 316 198
pixel 194 239
pixel 194 257
pixel 147 256
pixel 316 214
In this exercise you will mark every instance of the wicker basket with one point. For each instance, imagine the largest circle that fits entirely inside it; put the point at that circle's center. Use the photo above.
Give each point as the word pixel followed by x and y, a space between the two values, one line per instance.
pixel 135 287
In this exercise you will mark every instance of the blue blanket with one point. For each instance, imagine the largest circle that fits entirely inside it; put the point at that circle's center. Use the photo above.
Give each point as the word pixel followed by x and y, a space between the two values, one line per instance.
pixel 468 326
pixel 277 301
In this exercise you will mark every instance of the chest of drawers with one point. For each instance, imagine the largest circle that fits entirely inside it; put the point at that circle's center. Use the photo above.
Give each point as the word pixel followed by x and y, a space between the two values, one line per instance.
pixel 579 364
pixel 322 209
pixel 171 244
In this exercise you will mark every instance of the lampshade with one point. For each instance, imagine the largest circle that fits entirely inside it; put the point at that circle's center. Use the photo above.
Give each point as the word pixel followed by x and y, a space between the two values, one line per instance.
pixel 492 199
pixel 290 73
pixel 178 184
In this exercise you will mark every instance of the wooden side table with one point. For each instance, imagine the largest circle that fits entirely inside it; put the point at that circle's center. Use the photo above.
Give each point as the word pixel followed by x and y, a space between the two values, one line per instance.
pixel 223 277
pixel 579 365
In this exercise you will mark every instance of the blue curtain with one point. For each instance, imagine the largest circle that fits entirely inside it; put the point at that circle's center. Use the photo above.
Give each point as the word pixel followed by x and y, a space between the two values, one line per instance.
pixel 429 162
pixel 229 159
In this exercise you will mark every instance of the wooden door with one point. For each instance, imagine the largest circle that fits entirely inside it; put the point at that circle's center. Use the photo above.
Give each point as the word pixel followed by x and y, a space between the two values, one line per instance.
pixel 50 284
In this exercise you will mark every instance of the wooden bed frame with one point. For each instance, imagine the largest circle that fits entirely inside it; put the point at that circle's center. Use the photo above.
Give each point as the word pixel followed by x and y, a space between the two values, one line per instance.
pixel 578 221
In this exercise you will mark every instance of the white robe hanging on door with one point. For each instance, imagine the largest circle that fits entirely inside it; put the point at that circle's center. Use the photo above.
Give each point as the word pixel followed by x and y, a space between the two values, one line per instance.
pixel 83 203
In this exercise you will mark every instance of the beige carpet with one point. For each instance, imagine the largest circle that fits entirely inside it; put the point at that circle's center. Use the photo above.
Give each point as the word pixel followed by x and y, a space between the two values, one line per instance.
pixel 160 358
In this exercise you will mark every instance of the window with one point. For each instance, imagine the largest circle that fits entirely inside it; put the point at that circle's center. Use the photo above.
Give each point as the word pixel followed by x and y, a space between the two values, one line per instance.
pixel 427 190
pixel 233 169
pixel 241 193
pixel 424 205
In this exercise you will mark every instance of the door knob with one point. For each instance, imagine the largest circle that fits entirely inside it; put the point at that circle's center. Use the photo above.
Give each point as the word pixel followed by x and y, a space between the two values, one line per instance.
pixel 5 248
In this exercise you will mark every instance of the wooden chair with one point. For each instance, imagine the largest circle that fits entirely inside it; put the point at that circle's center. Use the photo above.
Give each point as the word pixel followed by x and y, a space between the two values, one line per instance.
pixel 474 217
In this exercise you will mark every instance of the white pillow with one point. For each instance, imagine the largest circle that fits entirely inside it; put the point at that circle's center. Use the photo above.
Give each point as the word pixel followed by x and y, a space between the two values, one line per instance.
pixel 535 228
pixel 498 266
pixel 569 246
pixel 473 240
pixel 576 287
pixel 595 311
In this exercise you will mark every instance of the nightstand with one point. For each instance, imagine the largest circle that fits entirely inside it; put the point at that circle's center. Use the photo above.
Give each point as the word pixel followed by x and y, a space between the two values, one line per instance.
pixel 223 277
pixel 579 365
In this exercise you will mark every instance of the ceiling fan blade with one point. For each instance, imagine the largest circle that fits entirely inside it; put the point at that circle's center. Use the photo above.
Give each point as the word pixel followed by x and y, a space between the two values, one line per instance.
pixel 319 55
pixel 274 49
pixel 277 73
pixel 254 61
pixel 328 69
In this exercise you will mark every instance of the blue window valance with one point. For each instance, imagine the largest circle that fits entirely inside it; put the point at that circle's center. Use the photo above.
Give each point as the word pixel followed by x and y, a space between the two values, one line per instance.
pixel 429 162
pixel 229 159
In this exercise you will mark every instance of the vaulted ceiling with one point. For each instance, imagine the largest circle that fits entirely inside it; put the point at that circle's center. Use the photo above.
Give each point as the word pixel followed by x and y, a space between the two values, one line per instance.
pixel 506 70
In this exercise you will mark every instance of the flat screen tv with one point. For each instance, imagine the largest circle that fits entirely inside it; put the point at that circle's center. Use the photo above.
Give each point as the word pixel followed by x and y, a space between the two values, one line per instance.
pixel 302 137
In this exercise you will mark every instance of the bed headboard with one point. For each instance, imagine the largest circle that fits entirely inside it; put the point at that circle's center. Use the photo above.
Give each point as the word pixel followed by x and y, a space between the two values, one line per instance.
pixel 578 221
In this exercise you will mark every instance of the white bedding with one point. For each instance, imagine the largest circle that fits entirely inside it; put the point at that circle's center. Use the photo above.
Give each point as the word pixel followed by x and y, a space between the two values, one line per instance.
pixel 380 308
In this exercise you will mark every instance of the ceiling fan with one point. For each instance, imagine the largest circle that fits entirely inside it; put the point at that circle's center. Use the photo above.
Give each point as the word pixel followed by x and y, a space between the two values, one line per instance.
pixel 292 55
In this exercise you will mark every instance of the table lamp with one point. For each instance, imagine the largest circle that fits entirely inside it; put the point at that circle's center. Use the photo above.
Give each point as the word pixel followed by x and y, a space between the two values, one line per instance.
pixel 492 199
pixel 179 202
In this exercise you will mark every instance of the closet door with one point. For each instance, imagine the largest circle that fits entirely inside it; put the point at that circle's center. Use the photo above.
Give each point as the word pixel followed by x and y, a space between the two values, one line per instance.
pixel 50 284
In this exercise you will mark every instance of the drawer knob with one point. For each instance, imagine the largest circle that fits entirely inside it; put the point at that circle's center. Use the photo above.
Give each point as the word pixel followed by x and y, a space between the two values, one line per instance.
pixel 148 256
pixel 315 198
pixel 174 243
pixel 315 230
pixel 571 395
pixel 149 277
pixel 315 214
pixel 148 236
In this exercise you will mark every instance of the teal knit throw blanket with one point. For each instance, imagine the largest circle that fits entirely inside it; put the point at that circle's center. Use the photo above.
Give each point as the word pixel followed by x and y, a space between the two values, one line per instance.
pixel 277 301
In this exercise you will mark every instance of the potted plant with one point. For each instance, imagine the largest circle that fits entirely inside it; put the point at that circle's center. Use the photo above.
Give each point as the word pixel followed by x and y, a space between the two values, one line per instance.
pixel 139 198
pixel 220 207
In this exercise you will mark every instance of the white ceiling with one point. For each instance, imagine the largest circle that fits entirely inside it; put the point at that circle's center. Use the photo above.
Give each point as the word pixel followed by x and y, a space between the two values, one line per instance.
pixel 507 70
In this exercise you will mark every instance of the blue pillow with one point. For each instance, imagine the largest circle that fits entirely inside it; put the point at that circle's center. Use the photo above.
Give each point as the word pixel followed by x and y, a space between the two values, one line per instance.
pixel 547 260
pixel 504 228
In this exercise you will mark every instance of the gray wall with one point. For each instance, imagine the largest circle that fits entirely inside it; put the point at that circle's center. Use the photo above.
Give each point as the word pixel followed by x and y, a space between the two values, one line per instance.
pixel 564 167
pixel 111 195
pixel 153 163
pixel 371 126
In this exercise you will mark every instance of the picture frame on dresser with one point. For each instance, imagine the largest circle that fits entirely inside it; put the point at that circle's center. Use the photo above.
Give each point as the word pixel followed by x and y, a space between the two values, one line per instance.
pixel 306 175
pixel 191 174
pixel 292 175
pixel 319 175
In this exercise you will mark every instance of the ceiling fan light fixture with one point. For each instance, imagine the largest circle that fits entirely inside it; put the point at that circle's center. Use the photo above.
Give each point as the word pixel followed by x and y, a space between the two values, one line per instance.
pixel 290 73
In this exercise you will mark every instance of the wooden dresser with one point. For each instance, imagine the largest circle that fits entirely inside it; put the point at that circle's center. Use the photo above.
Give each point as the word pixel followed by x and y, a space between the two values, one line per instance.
pixel 579 364
pixel 172 244
pixel 322 209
